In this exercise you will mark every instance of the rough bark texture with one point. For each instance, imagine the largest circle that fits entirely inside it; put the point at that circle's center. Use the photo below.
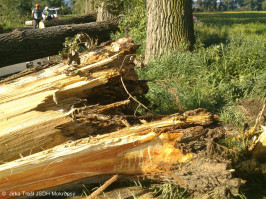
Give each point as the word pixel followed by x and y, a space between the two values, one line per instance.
pixel 103 13
pixel 169 23
pixel 27 45
pixel 90 6
pixel 73 20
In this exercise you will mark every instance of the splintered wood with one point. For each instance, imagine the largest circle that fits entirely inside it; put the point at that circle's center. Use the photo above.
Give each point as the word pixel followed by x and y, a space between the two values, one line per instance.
pixel 38 111
pixel 64 124
pixel 142 149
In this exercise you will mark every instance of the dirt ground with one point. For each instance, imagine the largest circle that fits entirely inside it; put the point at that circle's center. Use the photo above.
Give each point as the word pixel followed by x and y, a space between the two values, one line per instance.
pixel 250 109
pixel 251 170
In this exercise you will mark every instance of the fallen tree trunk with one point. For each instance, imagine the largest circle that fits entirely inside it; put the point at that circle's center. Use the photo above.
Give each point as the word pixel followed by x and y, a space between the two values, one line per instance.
pixel 59 104
pixel 73 20
pixel 150 149
pixel 64 124
pixel 27 45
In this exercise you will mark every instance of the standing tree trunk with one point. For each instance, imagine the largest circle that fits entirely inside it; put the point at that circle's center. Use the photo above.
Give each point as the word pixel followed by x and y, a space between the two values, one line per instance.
pixel 170 23
pixel 86 7
pixel 103 14
pixel 90 6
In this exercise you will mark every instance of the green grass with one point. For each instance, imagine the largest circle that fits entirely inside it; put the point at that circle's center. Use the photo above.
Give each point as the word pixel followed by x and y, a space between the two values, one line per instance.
pixel 9 25
pixel 231 18
pixel 227 66
pixel 169 191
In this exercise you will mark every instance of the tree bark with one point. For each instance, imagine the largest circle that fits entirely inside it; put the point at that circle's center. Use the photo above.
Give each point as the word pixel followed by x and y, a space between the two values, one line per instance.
pixel 92 6
pixel 170 24
pixel 86 7
pixel 73 20
pixel 27 45
pixel 103 14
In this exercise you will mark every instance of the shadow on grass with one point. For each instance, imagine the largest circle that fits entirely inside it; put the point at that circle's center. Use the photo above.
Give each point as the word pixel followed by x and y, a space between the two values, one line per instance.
pixel 214 39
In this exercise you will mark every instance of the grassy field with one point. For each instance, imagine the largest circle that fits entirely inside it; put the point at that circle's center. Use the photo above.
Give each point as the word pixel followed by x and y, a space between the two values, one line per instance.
pixel 254 22
pixel 11 25
pixel 231 18
pixel 227 66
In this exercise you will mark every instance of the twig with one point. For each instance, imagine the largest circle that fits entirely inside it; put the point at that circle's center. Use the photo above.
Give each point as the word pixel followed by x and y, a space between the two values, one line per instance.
pixel 140 104
pixel 135 113
pixel 103 187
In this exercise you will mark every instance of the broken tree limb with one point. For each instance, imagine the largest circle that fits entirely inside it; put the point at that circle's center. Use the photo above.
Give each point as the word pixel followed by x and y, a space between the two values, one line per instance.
pixel 27 45
pixel 72 20
pixel 79 119
pixel 150 150
pixel 128 151
pixel 49 107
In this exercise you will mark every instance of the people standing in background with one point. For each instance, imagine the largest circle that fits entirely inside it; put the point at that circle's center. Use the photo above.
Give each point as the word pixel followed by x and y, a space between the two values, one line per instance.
pixel 46 14
pixel 37 16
